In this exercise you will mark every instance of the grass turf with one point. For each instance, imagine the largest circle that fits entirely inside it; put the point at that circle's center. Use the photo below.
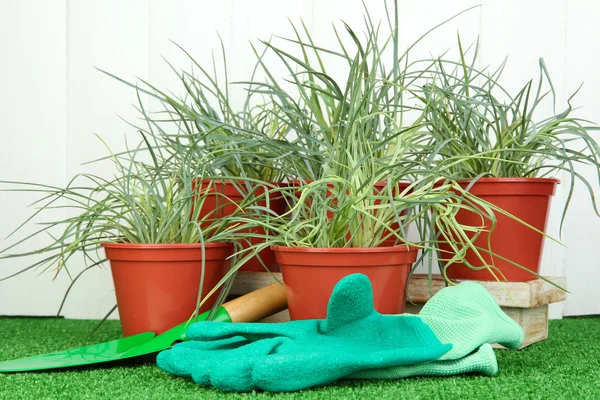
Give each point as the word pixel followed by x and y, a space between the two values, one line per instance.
pixel 567 365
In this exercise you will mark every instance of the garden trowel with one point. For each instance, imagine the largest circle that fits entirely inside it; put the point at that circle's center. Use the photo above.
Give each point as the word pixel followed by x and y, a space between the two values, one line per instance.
pixel 251 307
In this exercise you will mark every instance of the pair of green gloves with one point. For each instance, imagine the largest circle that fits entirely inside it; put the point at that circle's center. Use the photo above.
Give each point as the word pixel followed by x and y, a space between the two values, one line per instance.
pixel 451 335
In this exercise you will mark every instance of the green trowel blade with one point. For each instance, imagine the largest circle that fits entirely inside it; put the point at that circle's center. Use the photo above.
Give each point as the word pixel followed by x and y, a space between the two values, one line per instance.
pixel 93 354
pixel 120 349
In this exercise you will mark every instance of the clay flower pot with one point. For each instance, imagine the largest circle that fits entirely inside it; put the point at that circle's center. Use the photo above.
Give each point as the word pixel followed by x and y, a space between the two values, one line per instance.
pixel 221 200
pixel 527 199
pixel 157 285
pixel 311 273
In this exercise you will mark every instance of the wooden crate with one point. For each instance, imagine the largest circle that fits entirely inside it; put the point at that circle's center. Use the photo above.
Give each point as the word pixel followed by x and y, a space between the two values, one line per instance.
pixel 525 302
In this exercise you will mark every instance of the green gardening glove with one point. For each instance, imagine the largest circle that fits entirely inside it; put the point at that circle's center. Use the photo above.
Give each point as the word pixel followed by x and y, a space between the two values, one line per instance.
pixel 468 317
pixel 301 354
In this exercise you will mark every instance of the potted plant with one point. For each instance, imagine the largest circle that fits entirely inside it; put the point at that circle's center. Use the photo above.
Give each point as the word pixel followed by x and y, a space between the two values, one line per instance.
pixel 164 264
pixel 236 147
pixel 509 156
pixel 336 125
pixel 339 227
pixel 344 220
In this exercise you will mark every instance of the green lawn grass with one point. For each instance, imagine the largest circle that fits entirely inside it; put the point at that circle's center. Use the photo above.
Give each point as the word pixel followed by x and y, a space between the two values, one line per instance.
pixel 566 366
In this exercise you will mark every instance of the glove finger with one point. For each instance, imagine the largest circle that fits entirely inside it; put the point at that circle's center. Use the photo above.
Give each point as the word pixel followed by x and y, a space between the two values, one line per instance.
pixel 208 331
pixel 301 370
pixel 182 357
pixel 354 290
pixel 233 372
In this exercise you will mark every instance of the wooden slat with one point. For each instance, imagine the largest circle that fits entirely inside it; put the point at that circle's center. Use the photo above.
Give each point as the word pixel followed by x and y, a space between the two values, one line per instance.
pixel 530 294
pixel 246 282
pixel 533 320
pixel 283 316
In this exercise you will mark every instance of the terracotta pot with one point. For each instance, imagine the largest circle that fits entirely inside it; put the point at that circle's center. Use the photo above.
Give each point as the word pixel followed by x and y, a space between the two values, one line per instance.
pixel 311 273
pixel 379 188
pixel 221 201
pixel 527 199
pixel 157 285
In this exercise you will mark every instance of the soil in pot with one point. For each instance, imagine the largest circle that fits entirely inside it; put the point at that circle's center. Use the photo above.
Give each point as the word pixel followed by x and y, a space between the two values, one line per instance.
pixel 310 275
pixel 527 199
pixel 157 285
pixel 223 199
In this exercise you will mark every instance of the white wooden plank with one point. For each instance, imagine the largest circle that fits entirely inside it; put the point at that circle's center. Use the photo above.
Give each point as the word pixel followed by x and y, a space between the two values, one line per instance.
pixel 582 224
pixel 193 25
pixel 199 27
pixel 111 35
pixel 32 137
pixel 122 37
pixel 415 19
pixel 418 17
pixel 334 13
pixel 524 31
pixel 262 20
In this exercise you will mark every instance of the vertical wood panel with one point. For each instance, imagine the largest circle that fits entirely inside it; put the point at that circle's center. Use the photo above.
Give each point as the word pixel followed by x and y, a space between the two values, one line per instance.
pixel 256 20
pixel 111 35
pixel 32 135
pixel 524 32
pixel 41 106
pixel 416 18
pixel 197 27
pixel 334 13
pixel 582 225
pixel 193 25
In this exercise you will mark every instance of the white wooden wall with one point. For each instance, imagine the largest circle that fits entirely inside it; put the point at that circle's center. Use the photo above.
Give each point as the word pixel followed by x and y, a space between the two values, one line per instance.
pixel 52 100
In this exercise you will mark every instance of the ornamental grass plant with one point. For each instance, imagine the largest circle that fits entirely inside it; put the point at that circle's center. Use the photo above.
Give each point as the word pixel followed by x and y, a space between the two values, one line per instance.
pixel 470 116
pixel 143 203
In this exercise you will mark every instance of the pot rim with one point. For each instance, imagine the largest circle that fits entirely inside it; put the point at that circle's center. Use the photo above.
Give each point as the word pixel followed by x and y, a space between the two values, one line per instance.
pixel 150 246
pixel 378 184
pixel 228 181
pixel 345 250
pixel 511 179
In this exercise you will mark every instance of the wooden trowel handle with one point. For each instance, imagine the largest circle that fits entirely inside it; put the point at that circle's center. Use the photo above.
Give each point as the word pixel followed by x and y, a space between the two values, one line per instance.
pixel 258 304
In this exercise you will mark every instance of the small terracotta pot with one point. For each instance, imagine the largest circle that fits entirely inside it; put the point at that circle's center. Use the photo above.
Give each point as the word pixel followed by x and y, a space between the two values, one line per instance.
pixel 379 188
pixel 311 273
pixel 221 202
pixel 527 199
pixel 157 284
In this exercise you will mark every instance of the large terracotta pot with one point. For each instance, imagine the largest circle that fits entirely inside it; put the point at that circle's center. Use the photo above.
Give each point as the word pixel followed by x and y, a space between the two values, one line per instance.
pixel 157 285
pixel 222 199
pixel 310 275
pixel 527 199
